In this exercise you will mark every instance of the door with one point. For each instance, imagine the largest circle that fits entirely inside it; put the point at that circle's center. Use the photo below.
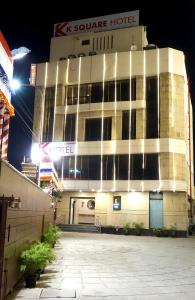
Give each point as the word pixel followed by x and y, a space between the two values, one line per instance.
pixel 82 210
pixel 156 210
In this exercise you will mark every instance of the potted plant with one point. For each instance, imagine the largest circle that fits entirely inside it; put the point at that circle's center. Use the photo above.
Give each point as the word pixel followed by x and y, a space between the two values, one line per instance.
pixel 126 228
pixel 52 235
pixel 172 230
pixel 33 260
pixel 139 227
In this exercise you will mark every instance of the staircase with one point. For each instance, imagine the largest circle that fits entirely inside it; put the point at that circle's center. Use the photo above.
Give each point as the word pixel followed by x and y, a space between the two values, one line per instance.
pixel 79 228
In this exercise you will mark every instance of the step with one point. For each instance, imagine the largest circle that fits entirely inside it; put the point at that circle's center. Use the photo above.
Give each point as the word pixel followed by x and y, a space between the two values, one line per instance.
pixel 78 228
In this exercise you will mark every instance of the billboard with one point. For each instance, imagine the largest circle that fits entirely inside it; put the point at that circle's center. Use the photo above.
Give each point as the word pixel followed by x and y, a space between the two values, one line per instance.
pixel 6 69
pixel 103 23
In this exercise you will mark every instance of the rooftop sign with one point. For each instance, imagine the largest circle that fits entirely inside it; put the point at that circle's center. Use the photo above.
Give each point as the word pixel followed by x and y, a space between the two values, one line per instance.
pixel 104 23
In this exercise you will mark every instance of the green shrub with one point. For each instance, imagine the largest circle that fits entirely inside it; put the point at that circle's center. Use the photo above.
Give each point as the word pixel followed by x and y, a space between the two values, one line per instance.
pixel 126 228
pixel 52 235
pixel 139 227
pixel 35 258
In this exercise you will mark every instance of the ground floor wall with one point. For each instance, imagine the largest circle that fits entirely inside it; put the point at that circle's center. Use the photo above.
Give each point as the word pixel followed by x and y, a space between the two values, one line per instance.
pixel 134 207
pixel 27 219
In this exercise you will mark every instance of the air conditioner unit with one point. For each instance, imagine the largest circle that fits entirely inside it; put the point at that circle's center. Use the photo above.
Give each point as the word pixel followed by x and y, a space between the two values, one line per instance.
pixel 92 53
pixel 71 56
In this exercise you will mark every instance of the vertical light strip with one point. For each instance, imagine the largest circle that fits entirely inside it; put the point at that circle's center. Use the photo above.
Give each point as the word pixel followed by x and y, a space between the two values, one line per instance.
pixel 130 87
pixel 115 111
pixel 66 104
pixel 144 117
pixel 172 89
pixel 173 113
pixel 77 119
pixel 102 131
pixel 158 101
pixel 43 101
pixel 55 99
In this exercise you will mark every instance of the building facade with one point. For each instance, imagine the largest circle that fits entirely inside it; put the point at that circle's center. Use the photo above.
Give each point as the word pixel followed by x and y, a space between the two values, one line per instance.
pixel 119 113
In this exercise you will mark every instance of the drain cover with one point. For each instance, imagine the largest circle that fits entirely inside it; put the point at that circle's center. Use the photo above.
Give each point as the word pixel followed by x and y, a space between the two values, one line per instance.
pixel 58 293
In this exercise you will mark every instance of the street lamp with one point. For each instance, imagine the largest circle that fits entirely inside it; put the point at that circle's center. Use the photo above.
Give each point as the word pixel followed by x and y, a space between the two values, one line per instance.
pixel 19 52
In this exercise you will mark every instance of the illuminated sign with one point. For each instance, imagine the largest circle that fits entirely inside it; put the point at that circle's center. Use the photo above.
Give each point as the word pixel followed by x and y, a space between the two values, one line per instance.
pixel 104 23
pixel 117 203
pixel 57 149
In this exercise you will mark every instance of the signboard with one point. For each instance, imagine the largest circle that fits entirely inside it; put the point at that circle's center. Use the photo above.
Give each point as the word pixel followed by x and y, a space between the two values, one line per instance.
pixel 117 203
pixel 6 68
pixel 57 149
pixel 103 23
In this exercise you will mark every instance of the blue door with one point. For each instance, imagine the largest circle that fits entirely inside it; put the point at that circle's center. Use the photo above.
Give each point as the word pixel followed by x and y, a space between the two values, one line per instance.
pixel 156 210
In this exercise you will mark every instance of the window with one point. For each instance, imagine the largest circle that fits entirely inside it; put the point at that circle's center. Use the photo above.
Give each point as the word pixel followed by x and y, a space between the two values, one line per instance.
pixel 93 93
pixel 121 166
pixel 108 161
pixel 48 114
pixel 69 132
pixel 129 131
pixel 94 167
pixel 151 108
pixel 96 92
pixel 85 42
pixel 93 129
pixel 89 167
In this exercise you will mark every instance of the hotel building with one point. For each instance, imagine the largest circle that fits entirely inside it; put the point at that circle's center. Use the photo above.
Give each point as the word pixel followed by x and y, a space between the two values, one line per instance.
pixel 118 110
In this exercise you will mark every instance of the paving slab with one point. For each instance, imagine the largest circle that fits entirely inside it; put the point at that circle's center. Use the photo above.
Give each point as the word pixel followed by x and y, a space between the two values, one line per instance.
pixel 57 293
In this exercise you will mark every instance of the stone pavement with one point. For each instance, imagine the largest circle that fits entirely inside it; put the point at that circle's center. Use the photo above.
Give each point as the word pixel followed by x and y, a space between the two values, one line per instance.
pixel 116 267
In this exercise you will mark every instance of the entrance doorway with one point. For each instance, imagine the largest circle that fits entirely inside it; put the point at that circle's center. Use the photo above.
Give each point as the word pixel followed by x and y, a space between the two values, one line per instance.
pixel 82 210
pixel 156 210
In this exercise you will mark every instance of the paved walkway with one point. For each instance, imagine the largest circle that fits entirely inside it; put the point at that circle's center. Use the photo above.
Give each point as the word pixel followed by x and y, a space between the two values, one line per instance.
pixel 110 267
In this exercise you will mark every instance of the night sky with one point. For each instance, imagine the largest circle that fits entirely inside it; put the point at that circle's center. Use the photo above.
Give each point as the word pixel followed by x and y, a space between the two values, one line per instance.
pixel 168 25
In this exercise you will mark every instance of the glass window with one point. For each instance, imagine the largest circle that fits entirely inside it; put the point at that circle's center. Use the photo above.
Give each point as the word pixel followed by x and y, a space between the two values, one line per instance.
pixel 69 132
pixel 107 167
pixel 96 92
pixel 94 167
pixel 85 42
pixel 93 129
pixel 48 114
pixel 151 168
pixel 151 107
pixel 121 167
pixel 128 133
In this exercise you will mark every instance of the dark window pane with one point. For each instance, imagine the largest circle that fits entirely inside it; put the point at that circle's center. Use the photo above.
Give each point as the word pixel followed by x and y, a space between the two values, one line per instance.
pixel 48 115
pixel 94 167
pixel 124 96
pixel 96 92
pixel 126 131
pixel 107 167
pixel 107 129
pixel 122 163
pixel 111 96
pixel 151 108
pixel 85 168
pixel 85 42
pixel 93 129
pixel 151 167
pixel 133 89
pixel 69 133
pixel 136 170
pixel 68 167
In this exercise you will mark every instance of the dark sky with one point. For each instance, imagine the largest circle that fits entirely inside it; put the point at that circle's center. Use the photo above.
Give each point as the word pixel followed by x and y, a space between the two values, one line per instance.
pixel 168 24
